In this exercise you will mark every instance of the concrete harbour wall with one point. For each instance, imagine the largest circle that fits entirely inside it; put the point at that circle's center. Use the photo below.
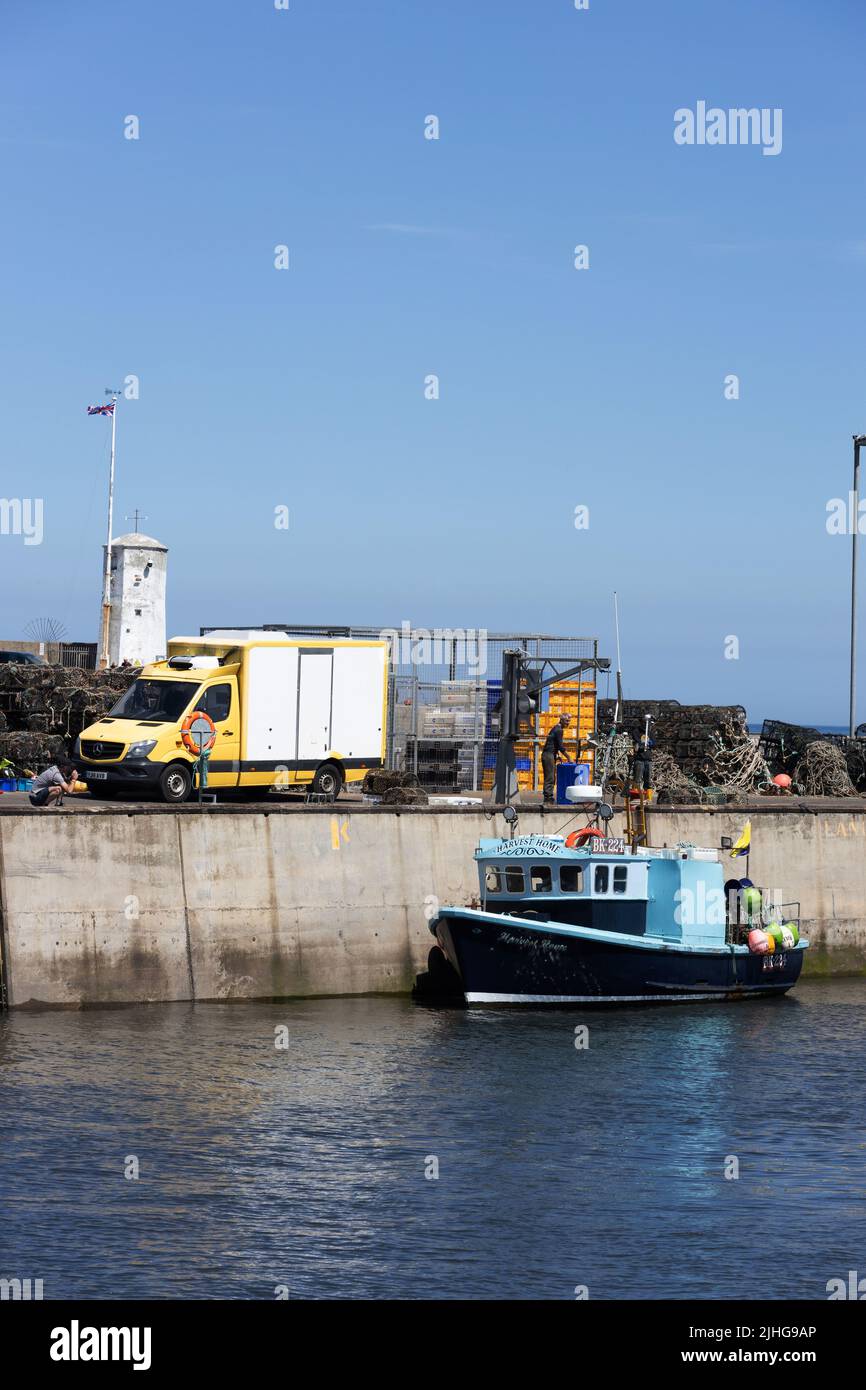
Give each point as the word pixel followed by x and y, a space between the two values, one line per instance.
pixel 125 905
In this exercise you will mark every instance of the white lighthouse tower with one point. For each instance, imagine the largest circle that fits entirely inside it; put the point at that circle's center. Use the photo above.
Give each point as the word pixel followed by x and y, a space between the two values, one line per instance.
pixel 136 631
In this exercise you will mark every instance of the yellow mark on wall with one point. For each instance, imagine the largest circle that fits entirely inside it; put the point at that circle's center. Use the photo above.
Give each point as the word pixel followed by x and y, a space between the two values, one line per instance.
pixel 339 831
pixel 842 831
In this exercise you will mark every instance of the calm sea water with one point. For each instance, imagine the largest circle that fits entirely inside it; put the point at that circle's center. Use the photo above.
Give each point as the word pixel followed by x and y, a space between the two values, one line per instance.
pixel 305 1167
pixel 822 728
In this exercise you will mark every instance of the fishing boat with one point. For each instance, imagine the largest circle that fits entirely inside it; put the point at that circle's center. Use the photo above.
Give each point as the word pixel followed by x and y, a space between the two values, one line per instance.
pixel 584 920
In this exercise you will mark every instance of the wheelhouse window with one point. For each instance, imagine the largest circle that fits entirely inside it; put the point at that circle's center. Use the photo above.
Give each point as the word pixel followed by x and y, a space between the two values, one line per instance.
pixel 620 878
pixel 539 878
pixel 504 878
pixel 571 878
pixel 601 878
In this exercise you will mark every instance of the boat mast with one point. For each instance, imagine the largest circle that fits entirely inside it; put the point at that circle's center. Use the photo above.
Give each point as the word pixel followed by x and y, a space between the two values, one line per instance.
pixel 635 803
pixel 617 713
pixel 618 710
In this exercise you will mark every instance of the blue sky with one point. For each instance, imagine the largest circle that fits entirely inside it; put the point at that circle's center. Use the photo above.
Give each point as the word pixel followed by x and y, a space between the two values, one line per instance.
pixel 558 388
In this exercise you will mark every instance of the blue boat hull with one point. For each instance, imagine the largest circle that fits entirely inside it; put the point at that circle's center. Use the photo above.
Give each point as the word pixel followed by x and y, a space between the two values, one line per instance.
pixel 505 960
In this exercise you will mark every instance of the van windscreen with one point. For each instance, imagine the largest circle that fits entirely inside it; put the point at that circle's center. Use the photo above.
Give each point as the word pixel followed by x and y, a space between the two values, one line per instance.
pixel 161 701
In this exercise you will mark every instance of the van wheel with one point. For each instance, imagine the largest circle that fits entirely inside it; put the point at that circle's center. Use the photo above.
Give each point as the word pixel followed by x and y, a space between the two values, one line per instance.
pixel 328 780
pixel 175 783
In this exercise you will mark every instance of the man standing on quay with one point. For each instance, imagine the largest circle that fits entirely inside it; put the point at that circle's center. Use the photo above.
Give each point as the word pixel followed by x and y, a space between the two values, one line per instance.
pixel 554 747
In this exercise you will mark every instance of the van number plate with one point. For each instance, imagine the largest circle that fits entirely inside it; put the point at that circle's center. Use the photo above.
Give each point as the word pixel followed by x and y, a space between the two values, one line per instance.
pixel 96 776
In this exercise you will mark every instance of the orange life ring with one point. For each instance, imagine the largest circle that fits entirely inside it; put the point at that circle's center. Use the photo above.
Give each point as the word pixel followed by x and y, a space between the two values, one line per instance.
pixel 191 744
pixel 579 837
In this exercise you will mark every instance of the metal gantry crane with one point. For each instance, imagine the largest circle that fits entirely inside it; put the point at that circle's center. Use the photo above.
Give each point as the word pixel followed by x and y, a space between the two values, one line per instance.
pixel 523 679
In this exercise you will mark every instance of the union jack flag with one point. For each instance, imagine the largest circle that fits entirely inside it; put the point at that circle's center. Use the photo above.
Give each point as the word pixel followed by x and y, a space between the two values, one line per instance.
pixel 101 409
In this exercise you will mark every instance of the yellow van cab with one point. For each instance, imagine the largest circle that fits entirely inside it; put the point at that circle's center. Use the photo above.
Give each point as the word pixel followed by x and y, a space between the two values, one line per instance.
pixel 285 712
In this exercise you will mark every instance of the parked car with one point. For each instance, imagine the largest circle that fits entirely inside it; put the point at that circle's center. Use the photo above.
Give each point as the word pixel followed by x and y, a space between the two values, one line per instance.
pixel 23 658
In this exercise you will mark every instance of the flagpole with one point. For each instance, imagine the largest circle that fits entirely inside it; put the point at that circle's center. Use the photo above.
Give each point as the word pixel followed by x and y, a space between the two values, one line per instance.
pixel 106 576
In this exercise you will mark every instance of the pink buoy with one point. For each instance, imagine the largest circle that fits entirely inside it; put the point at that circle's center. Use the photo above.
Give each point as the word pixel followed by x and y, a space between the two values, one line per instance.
pixel 759 942
pixel 782 780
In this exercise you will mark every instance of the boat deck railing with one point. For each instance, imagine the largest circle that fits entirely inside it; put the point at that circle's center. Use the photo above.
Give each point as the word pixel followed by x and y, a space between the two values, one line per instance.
pixel 706 855
pixel 771 914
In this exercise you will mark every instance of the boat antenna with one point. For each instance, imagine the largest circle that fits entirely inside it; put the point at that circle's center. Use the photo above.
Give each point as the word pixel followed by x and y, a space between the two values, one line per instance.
pixel 618 710
pixel 617 713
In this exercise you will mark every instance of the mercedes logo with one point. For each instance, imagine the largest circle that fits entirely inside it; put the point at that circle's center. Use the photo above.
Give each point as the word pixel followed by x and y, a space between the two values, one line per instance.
pixel 97 747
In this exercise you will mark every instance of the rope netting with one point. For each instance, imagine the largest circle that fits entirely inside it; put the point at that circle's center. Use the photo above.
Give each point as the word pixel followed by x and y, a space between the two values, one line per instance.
pixel 823 771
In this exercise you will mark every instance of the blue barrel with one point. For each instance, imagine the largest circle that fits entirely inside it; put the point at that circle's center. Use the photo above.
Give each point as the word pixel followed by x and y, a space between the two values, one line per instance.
pixel 567 774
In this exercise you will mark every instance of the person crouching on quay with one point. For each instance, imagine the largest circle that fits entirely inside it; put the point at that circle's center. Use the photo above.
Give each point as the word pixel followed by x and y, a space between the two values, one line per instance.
pixel 554 747
pixel 49 787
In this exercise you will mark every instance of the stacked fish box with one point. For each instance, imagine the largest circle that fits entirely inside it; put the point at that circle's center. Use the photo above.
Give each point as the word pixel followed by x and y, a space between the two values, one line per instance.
pixel 468 729
pixel 466 700
pixel 491 734
pixel 462 694
pixel 437 722
pixel 576 698
pixel 524 763
pixel 434 762
pixel 438 748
